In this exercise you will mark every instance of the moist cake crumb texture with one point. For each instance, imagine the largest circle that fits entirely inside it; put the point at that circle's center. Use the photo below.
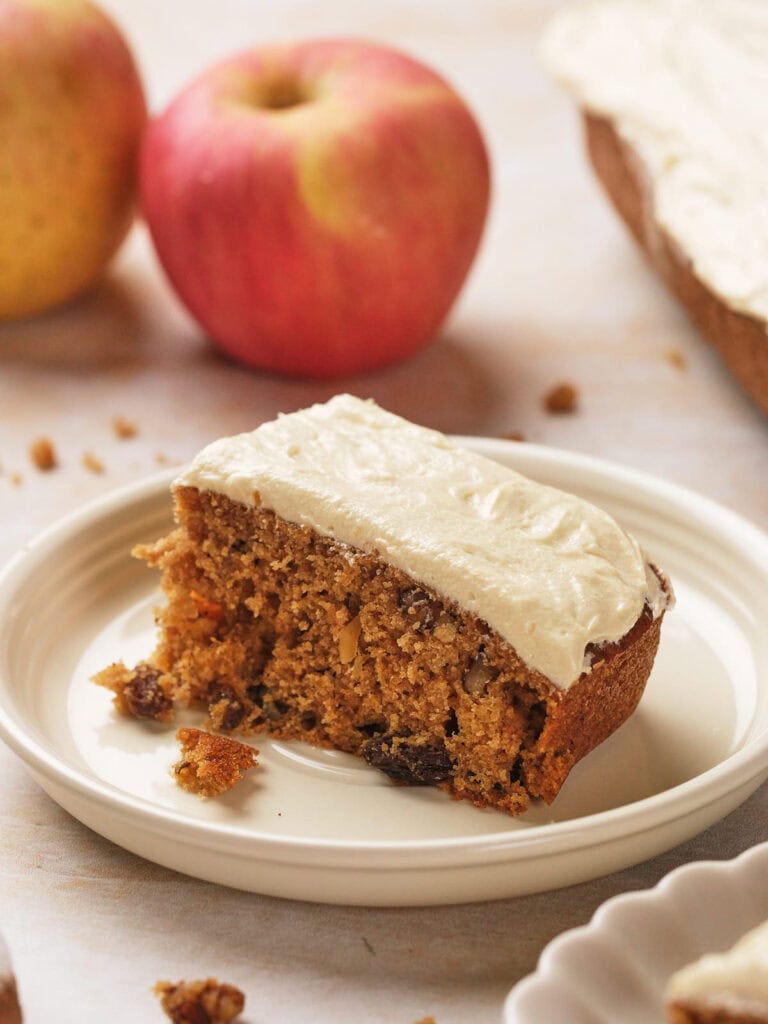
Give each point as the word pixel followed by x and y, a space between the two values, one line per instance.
pixel 268 625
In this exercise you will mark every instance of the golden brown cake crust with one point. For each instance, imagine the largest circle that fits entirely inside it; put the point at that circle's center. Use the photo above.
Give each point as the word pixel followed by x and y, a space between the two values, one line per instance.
pixel 271 627
pixel 741 340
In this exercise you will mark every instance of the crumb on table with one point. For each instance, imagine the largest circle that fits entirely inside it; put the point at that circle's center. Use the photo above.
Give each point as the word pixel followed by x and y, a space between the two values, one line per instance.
pixel 124 428
pixel 675 357
pixel 43 454
pixel 92 462
pixel 562 398
pixel 211 764
pixel 200 1002
pixel 512 435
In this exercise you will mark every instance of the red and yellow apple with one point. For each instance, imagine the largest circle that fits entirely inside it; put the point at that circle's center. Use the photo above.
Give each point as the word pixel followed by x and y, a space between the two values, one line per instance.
pixel 317 206
pixel 72 113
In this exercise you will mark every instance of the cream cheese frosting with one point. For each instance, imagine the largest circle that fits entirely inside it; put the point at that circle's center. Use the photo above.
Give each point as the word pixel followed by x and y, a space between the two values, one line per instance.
pixel 684 82
pixel 737 978
pixel 549 572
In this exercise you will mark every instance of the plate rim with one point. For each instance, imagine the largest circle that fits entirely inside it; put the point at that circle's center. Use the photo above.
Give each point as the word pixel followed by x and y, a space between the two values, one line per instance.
pixel 738 769
pixel 664 889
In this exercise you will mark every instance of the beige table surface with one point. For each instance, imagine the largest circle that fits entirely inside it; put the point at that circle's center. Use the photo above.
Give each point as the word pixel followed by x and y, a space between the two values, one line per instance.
pixel 558 292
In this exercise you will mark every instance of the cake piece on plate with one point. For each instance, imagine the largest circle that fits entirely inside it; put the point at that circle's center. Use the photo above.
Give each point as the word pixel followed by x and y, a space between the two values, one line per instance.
pixel 723 988
pixel 211 764
pixel 671 92
pixel 344 577
pixel 10 1011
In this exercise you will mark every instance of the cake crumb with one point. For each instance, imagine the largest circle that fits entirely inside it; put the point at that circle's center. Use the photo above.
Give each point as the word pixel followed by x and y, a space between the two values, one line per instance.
pixel 138 691
pixel 161 459
pixel 92 462
pixel 512 435
pixel 675 357
pixel 43 454
pixel 426 1020
pixel 563 398
pixel 211 764
pixel 124 428
pixel 16 479
pixel 200 1002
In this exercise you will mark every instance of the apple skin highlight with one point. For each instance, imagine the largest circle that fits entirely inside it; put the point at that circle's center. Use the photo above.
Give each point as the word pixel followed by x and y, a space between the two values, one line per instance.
pixel 317 207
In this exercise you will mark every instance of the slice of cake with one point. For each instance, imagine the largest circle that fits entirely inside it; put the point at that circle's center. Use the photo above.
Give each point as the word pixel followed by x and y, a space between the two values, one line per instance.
pixel 672 97
pixel 346 578
pixel 723 988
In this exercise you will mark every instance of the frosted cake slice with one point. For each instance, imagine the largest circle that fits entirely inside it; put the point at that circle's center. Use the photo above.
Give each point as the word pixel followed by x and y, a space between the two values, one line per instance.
pixel 344 577
pixel 723 988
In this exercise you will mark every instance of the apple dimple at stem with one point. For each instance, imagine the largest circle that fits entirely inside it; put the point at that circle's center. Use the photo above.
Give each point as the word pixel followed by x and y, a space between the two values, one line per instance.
pixel 281 92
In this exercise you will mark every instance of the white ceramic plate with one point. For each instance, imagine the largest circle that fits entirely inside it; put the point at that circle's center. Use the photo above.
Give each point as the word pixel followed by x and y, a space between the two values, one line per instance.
pixel 320 825
pixel 616 967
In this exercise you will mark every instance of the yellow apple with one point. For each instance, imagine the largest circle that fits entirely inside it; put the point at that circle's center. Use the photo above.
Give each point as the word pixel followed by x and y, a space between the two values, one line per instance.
pixel 72 113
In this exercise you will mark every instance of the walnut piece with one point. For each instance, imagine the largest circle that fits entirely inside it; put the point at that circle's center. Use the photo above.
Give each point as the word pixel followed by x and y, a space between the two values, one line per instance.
pixel 478 675
pixel 349 637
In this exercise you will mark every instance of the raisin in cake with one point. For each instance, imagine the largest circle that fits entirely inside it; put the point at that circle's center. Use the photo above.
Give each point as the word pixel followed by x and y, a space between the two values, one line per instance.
pixel 723 988
pixel 344 577
pixel 672 93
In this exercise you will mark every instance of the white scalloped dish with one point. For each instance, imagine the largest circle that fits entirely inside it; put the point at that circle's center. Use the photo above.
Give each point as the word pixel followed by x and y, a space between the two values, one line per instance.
pixel 616 967
pixel 321 825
